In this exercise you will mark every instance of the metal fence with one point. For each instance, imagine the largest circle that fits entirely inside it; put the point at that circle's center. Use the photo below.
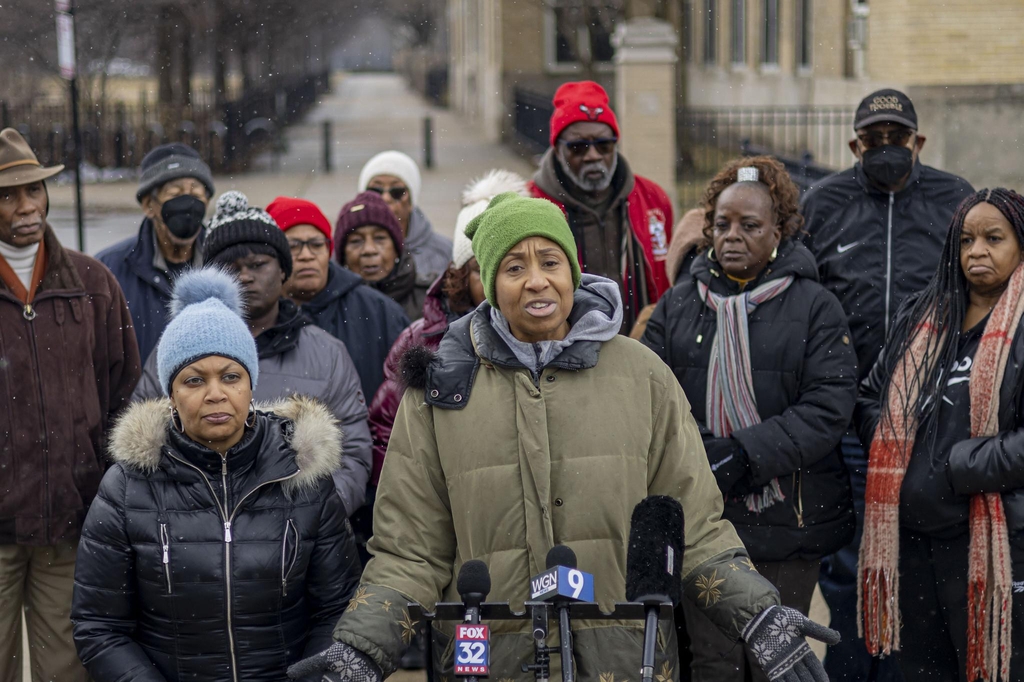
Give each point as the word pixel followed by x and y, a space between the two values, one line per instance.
pixel 119 135
pixel 810 141
pixel 532 119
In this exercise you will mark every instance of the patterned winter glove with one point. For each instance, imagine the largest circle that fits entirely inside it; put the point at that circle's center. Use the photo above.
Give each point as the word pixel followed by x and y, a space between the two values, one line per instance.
pixel 339 663
pixel 776 636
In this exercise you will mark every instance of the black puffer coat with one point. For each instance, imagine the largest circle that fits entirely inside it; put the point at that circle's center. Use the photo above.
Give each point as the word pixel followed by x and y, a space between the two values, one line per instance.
pixel 166 590
pixel 804 371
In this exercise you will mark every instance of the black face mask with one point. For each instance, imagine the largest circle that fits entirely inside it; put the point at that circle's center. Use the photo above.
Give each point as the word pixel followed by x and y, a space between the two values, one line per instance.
pixel 887 165
pixel 183 215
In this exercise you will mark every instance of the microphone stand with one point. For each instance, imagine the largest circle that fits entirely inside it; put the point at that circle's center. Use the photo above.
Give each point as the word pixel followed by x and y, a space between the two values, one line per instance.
pixel 541 666
pixel 565 641
pixel 652 606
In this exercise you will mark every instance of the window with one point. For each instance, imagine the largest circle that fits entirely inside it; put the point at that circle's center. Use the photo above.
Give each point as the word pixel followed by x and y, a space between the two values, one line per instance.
pixel 770 38
pixel 803 34
pixel 710 33
pixel 738 32
pixel 581 32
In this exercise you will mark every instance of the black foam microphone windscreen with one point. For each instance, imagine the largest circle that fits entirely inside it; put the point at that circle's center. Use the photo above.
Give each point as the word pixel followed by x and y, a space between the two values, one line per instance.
pixel 474 578
pixel 560 555
pixel 654 559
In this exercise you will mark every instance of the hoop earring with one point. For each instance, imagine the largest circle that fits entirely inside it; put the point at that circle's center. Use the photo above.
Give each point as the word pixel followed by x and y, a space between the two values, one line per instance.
pixel 252 414
pixel 775 254
pixel 711 255
pixel 176 421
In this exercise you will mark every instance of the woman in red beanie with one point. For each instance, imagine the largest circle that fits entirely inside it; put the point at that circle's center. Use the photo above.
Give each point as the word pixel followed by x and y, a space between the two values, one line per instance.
pixel 369 243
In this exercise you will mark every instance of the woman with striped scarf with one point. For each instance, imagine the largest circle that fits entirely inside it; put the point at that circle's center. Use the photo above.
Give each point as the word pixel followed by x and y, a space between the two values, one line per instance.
pixel 941 571
pixel 763 353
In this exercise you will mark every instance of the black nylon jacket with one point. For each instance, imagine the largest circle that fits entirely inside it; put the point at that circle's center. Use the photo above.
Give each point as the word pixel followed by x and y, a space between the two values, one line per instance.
pixel 874 249
pixel 804 374
pixel 976 465
pixel 166 590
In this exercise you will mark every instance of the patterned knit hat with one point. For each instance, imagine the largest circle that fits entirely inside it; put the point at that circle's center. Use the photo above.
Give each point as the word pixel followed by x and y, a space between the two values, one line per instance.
pixel 508 220
pixel 238 229
pixel 366 209
pixel 206 319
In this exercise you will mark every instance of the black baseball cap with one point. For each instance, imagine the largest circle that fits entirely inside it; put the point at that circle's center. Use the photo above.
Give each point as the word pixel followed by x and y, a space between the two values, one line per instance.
pixel 885 106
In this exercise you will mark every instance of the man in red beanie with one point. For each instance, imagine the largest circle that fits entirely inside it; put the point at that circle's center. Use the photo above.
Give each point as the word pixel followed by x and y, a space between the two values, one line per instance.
pixel 603 200
pixel 365 320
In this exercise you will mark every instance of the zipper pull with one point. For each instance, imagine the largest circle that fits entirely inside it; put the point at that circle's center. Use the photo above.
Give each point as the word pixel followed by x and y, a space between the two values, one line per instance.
pixel 227 531
pixel 165 555
pixel 28 313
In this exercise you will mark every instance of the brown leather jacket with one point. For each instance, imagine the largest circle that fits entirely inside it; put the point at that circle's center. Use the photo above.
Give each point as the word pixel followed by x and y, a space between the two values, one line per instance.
pixel 63 375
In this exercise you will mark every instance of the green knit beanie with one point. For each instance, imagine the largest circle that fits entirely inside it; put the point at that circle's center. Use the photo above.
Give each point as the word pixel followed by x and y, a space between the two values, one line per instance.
pixel 509 219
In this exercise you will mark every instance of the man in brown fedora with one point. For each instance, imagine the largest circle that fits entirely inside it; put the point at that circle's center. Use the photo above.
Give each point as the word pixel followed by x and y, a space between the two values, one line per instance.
pixel 68 362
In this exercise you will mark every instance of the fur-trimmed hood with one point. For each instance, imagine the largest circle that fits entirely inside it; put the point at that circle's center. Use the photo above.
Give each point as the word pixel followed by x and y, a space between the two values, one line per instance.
pixel 140 434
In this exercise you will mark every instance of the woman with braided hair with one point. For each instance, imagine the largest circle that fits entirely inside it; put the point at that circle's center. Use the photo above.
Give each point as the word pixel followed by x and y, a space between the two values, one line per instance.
pixel 942 412
pixel 763 353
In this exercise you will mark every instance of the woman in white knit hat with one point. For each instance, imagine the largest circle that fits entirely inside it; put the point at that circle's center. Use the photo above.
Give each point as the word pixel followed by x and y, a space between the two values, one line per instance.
pixel 396 177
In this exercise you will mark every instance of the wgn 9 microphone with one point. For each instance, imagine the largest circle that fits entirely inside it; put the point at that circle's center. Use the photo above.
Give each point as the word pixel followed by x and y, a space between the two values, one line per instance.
pixel 654 562
pixel 572 588
pixel 472 640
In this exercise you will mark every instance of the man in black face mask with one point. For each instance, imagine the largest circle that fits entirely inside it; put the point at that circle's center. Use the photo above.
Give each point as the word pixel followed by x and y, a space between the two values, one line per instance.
pixel 175 187
pixel 877 231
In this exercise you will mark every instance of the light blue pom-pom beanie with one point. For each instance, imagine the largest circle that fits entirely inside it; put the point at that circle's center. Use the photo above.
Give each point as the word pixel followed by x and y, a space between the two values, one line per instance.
pixel 206 319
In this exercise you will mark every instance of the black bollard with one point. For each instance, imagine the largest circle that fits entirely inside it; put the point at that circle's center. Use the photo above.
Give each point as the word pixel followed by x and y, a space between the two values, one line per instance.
pixel 428 142
pixel 327 146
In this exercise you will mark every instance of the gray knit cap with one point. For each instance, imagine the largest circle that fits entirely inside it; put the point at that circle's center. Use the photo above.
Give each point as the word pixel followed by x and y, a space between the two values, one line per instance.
pixel 170 162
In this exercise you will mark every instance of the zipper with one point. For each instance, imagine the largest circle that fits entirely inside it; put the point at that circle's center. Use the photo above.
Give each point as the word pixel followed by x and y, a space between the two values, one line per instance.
pixel 287 571
pixel 888 265
pixel 166 542
pixel 798 484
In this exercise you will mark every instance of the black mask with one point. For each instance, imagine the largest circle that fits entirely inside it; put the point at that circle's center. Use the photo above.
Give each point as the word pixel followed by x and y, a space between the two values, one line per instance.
pixel 887 165
pixel 183 215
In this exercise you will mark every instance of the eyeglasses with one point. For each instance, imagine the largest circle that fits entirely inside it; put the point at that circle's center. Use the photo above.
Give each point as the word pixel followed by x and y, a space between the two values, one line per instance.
pixel 397 193
pixel 316 245
pixel 878 138
pixel 604 145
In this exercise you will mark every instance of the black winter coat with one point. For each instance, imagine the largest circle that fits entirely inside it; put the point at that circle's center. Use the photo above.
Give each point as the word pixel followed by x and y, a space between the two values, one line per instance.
pixel 976 465
pixel 174 582
pixel 874 249
pixel 146 287
pixel 804 373
pixel 367 321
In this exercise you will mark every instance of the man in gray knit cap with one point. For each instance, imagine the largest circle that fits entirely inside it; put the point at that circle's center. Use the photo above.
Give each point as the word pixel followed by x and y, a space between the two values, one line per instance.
pixel 175 186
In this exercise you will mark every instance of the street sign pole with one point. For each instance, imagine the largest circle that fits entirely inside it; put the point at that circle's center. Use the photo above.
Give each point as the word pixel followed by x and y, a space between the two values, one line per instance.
pixel 69 70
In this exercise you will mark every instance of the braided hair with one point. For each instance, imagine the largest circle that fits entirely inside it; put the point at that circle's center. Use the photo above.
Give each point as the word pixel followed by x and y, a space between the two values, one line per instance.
pixel 943 302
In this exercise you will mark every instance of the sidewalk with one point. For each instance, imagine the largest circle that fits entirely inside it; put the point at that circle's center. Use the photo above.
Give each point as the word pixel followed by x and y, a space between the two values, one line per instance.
pixel 370 113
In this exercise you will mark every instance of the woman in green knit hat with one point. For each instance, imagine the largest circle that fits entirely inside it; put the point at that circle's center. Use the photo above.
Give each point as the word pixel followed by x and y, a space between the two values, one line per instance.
pixel 537 424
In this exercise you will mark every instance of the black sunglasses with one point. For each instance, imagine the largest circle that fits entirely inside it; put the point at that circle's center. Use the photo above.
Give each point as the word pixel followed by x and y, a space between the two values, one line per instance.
pixel 397 193
pixel 604 145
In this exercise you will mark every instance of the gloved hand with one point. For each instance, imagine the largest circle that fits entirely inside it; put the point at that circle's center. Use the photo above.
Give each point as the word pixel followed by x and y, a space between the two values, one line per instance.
pixel 339 663
pixel 776 637
pixel 728 460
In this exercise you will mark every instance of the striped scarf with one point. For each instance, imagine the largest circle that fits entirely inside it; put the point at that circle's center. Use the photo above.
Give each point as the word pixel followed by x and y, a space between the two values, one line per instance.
pixel 730 402
pixel 988 575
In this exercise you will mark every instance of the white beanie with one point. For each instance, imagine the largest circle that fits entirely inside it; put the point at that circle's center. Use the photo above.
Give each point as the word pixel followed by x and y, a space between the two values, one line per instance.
pixel 475 198
pixel 394 163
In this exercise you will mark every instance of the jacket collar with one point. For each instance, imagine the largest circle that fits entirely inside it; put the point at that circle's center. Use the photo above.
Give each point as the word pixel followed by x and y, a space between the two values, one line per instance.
pixel 420 230
pixel 304 430
pixel 284 335
pixel 149 264
pixel 436 315
pixel 401 280
pixel 61 274
pixel 340 281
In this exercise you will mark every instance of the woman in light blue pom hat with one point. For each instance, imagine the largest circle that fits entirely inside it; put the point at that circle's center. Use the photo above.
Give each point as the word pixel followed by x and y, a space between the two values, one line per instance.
pixel 217 548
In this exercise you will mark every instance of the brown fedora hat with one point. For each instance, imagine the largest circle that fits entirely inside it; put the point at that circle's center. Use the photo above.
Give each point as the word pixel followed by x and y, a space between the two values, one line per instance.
pixel 18 165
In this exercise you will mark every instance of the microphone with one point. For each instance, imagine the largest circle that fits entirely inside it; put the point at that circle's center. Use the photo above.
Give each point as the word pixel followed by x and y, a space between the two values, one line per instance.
pixel 472 640
pixel 654 562
pixel 570 585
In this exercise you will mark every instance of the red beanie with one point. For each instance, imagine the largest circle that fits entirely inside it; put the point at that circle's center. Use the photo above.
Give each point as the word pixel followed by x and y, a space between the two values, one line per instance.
pixel 366 209
pixel 288 212
pixel 581 101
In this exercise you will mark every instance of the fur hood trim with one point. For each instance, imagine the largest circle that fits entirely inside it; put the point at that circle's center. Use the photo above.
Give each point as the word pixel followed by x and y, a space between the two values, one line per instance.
pixel 414 364
pixel 140 434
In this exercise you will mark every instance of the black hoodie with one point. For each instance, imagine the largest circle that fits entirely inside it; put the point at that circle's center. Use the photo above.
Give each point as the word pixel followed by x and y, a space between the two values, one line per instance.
pixel 804 374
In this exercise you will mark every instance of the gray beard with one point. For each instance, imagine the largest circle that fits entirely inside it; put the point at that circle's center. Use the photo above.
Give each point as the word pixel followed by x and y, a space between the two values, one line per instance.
pixel 599 185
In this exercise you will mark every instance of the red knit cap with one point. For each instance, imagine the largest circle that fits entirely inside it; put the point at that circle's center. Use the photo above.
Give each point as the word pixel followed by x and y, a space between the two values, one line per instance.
pixel 366 209
pixel 581 101
pixel 288 212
